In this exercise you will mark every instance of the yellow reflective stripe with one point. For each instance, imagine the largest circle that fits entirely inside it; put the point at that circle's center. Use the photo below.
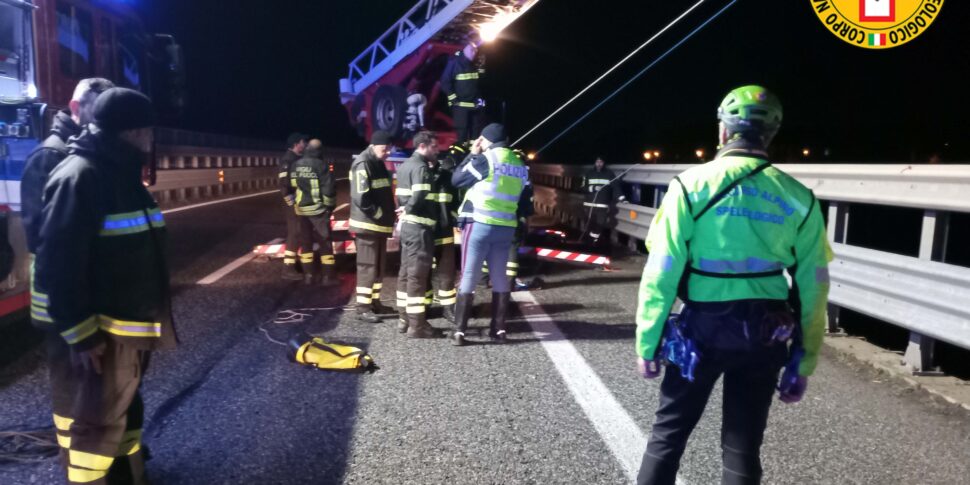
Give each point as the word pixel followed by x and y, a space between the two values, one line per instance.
pixel 598 181
pixel 466 76
pixel 467 105
pixel 420 187
pixel 511 272
pixel 412 310
pixel 370 227
pixel 81 331
pixel 402 192
pixel 363 290
pixel 452 96
pixel 447 293
pixel 365 299
pixel 63 423
pixel 402 295
pixel 63 441
pixel 130 443
pixel 415 300
pixel 283 175
pixel 444 240
pixel 131 329
pixel 80 475
pixel 90 461
pixel 380 183
pixel 440 197
pixel 419 220
pixel 512 265
pixel 328 259
pixel 289 261
pixel 378 286
pixel 448 301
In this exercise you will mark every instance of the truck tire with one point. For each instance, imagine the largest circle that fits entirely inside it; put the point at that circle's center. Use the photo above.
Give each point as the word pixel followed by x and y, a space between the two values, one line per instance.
pixel 389 109
pixel 360 103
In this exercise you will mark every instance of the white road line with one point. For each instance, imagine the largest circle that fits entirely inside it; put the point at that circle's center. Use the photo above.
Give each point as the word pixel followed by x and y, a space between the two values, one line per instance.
pixel 617 429
pixel 220 201
pixel 229 268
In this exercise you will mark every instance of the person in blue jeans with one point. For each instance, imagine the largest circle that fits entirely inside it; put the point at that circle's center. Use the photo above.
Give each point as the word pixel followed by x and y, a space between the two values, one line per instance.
pixel 498 193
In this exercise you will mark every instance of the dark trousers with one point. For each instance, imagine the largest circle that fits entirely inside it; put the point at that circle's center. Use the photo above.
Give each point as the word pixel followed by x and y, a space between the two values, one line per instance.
pixel 315 232
pixel 445 272
pixel 292 238
pixel 98 417
pixel 468 122
pixel 598 229
pixel 750 369
pixel 371 264
pixel 417 254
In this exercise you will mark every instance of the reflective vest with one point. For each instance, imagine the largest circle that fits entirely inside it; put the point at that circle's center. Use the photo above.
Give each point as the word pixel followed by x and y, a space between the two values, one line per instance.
pixel 496 197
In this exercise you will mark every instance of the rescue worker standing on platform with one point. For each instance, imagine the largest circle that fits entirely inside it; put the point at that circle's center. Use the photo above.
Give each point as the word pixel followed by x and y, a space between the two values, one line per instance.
pixel 461 82
pixel 316 197
pixel 102 262
pixel 498 187
pixel 601 196
pixel 372 220
pixel 730 228
pixel 295 144
pixel 418 206
pixel 40 163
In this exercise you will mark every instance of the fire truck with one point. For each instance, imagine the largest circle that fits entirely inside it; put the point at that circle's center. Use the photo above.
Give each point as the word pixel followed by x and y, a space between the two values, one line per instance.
pixel 46 47
pixel 394 84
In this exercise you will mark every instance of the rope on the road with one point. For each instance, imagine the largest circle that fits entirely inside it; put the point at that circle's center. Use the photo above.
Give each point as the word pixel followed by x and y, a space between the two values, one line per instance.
pixel 293 317
pixel 27 446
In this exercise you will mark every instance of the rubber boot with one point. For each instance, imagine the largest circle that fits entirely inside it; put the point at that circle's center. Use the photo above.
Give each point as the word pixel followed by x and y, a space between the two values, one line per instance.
pixel 448 311
pixel 402 320
pixel 418 327
pixel 463 312
pixel 500 312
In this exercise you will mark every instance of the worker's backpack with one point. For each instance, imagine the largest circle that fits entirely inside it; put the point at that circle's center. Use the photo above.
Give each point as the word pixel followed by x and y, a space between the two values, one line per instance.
pixel 334 357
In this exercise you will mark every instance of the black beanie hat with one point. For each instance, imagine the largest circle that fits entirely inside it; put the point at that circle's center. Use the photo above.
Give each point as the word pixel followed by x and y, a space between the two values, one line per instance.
pixel 295 138
pixel 495 133
pixel 121 109
pixel 380 138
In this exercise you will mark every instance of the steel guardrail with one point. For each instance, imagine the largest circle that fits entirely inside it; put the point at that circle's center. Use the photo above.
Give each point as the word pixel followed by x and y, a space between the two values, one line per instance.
pixel 926 297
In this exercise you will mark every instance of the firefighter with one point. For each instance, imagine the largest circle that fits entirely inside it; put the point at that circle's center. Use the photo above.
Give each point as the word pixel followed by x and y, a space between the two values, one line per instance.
pixel 316 197
pixel 729 228
pixel 40 163
pixel 295 144
pixel 445 259
pixel 601 196
pixel 419 213
pixel 372 221
pixel 461 82
pixel 102 262
pixel 497 181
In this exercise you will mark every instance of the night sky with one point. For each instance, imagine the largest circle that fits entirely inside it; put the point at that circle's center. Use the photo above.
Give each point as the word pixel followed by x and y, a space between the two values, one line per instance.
pixel 264 69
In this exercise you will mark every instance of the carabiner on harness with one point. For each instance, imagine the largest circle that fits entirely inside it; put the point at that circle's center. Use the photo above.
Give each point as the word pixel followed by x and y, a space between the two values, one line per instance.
pixel 678 349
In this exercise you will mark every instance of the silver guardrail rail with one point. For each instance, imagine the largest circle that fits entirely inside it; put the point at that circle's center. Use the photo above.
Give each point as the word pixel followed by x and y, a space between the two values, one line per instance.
pixel 929 298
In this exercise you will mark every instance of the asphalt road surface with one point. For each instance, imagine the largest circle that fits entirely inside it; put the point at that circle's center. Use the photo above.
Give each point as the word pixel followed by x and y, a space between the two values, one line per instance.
pixel 560 404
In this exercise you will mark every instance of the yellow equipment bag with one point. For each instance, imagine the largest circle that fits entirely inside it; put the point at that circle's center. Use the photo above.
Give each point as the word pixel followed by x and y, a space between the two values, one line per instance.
pixel 334 357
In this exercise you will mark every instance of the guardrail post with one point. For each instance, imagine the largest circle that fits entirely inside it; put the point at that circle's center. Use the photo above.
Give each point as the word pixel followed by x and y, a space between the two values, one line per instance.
pixel 838 230
pixel 932 247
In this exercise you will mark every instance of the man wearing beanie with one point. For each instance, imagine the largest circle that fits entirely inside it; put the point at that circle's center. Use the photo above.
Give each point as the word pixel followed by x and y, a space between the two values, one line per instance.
pixel 372 220
pixel 295 144
pixel 499 191
pixel 102 262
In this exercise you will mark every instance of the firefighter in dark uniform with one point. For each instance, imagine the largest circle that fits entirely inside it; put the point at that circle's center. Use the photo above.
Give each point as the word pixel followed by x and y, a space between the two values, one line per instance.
pixel 601 196
pixel 39 165
pixel 316 197
pixel 372 220
pixel 102 263
pixel 739 310
pixel 444 267
pixel 419 216
pixel 461 82
pixel 295 144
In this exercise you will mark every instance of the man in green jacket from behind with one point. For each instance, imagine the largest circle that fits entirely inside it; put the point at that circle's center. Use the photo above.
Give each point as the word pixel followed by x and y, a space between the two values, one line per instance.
pixel 721 241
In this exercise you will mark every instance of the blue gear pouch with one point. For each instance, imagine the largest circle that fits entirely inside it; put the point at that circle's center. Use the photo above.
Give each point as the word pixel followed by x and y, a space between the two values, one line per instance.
pixel 678 349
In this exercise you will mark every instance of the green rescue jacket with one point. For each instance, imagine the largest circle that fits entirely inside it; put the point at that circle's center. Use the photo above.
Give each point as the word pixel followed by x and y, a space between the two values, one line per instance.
pixel 768 223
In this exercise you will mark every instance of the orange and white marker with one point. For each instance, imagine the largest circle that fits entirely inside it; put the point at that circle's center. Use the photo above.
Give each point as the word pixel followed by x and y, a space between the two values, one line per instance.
pixel 557 255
